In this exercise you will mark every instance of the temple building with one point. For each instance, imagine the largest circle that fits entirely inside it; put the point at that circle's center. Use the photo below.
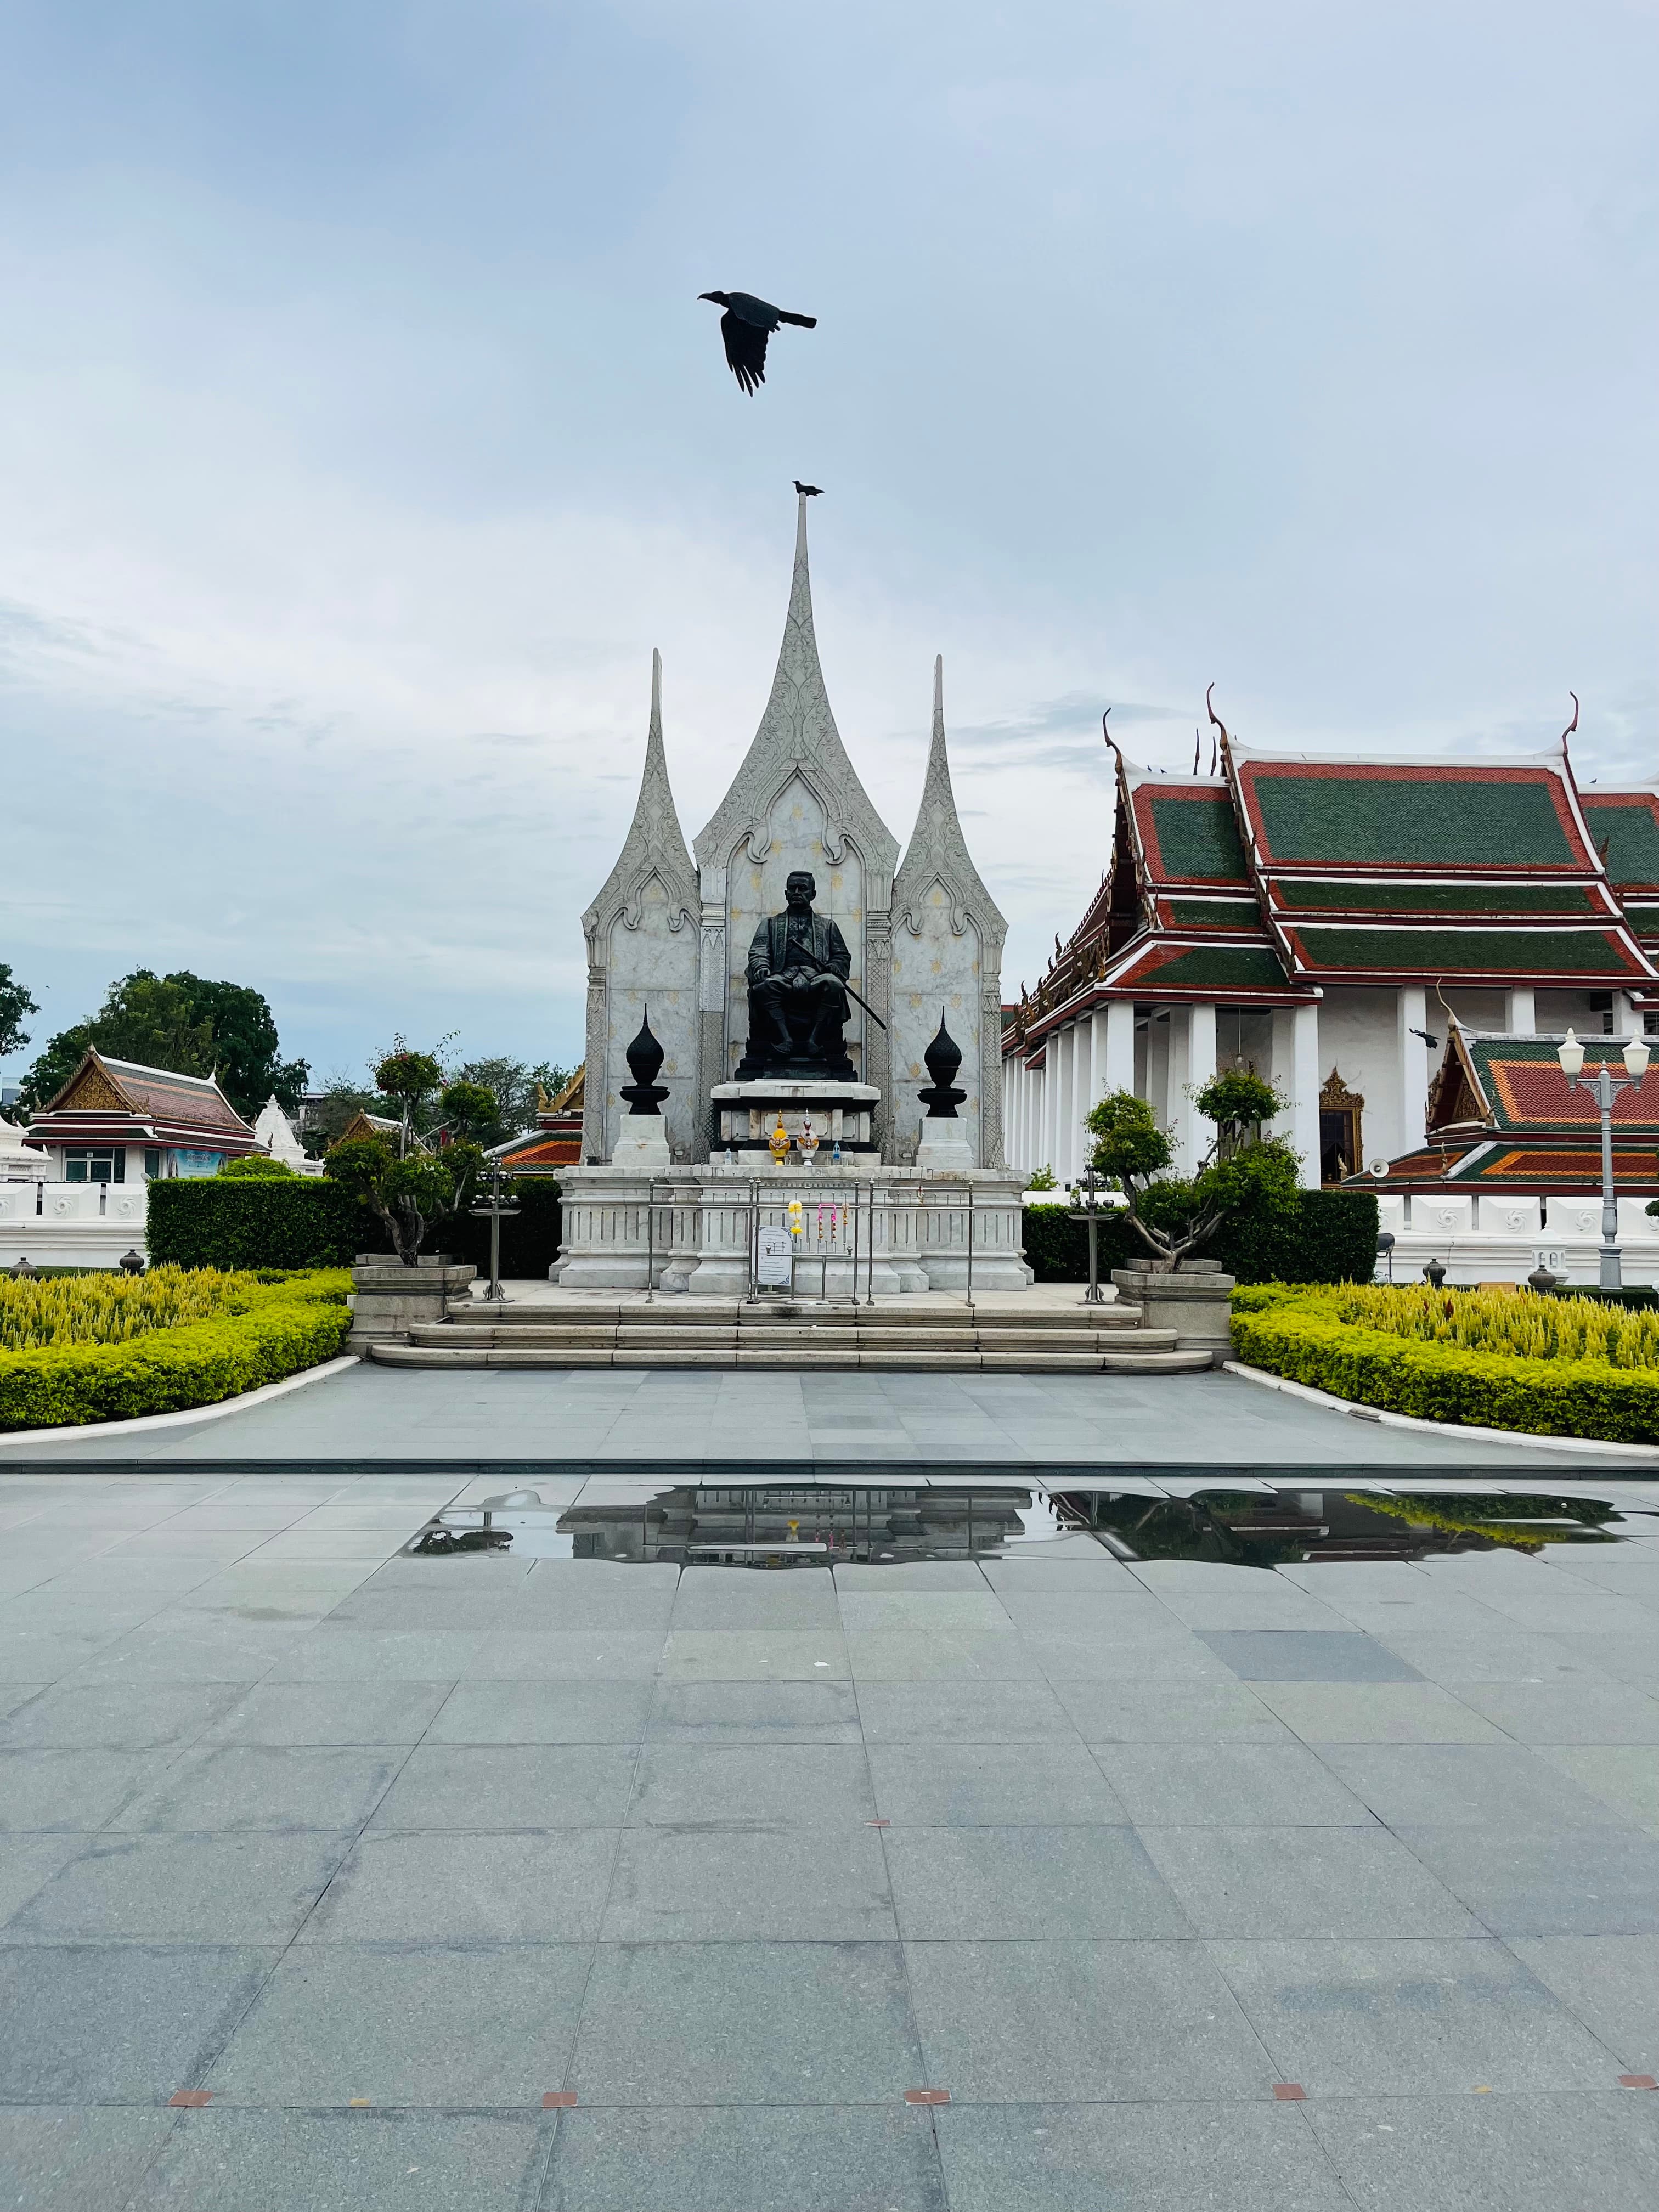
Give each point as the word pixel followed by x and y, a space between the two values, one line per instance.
pixel 115 1122
pixel 1332 922
pixel 555 1141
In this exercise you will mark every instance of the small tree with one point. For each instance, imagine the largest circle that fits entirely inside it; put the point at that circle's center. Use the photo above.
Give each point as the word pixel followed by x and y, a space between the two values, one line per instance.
pixel 407 1079
pixel 469 1110
pixel 1174 1215
pixel 411 1193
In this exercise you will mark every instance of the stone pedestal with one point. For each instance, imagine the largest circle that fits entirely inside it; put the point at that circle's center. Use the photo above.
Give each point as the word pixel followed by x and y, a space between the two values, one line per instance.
pixel 698 1233
pixel 943 1147
pixel 745 1113
pixel 1194 1301
pixel 388 1297
pixel 642 1143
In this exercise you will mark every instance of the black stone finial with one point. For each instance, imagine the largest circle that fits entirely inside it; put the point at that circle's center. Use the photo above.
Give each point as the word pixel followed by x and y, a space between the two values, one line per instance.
pixel 944 1057
pixel 645 1094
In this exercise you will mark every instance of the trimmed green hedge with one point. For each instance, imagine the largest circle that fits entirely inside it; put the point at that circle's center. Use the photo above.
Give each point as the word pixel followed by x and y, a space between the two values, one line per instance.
pixel 279 1221
pixel 1330 1238
pixel 306 1221
pixel 269 1332
pixel 1287 1332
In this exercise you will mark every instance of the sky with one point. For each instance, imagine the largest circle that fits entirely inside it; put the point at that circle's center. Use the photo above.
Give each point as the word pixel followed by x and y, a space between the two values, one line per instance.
pixel 362 432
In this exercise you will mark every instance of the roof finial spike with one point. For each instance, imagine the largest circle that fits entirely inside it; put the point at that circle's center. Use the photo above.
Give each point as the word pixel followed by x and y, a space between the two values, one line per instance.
pixel 1572 725
pixel 1111 742
pixel 1209 709
pixel 656 694
pixel 1198 741
pixel 939 694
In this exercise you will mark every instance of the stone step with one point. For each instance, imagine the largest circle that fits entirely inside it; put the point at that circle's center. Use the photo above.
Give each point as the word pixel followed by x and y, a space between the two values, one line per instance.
pixel 805 1337
pixel 670 1313
pixel 551 1358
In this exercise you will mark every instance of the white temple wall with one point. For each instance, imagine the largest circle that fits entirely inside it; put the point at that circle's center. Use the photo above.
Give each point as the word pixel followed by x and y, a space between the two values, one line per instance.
pixel 651 963
pixel 936 966
pixel 1359 1039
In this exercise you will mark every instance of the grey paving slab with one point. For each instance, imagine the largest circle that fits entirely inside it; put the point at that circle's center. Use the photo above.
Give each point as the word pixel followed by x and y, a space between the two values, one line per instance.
pixel 546 1712
pixel 112 2023
pixel 1567 1713
pixel 214 1652
pixel 1306 1655
pixel 54 2158
pixel 1228 1785
pixel 1409 2017
pixel 754 1655
pixel 425 1611
pixel 1633 1659
pixel 247 2162
pixel 745 2159
pixel 360 1713
pixel 804 2024
pixel 927 1611
pixel 819 1711
pixel 130 1718
pixel 366 1655
pixel 1548 2154
pixel 27 1864
pixel 961 1712
pixel 280 1787
pixel 1196 1709
pixel 1046 1782
pixel 75 1791
pixel 1474 1784
pixel 517 1786
pixel 1588 1882
pixel 941 1655
pixel 704 1884
pixel 442 2025
pixel 1171 2156
pixel 1079 2021
pixel 35 1656
pixel 1625 1776
pixel 1163 1652
pixel 250 1888
pixel 1610 1982
pixel 1376 1712
pixel 1327 1882
pixel 715 1597
pixel 953 1884
pixel 723 1785
pixel 467 1887
pixel 569 1655
pixel 1480 1654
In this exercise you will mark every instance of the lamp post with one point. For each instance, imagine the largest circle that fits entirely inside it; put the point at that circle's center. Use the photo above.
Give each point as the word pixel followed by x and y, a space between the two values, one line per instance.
pixel 495 1209
pixel 1604 1087
pixel 1086 1207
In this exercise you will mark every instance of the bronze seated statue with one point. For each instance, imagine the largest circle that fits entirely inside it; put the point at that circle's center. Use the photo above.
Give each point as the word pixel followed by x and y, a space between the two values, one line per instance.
pixel 798 962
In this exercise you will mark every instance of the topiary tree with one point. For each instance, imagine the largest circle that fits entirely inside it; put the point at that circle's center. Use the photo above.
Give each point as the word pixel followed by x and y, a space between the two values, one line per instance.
pixel 1174 1215
pixel 410 1193
pixel 407 1079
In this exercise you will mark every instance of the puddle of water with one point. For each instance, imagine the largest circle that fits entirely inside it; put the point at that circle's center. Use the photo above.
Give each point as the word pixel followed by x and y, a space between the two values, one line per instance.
pixel 817 1524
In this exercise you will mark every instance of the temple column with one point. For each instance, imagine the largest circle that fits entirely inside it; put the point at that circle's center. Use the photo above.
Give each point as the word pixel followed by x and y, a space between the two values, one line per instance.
pixel 1192 1065
pixel 1083 1091
pixel 1626 1021
pixel 1304 1119
pixel 1521 1019
pixel 1413 1057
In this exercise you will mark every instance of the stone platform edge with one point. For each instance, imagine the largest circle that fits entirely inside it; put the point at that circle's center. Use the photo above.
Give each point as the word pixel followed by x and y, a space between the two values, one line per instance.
pixel 67 1431
pixel 1592 1445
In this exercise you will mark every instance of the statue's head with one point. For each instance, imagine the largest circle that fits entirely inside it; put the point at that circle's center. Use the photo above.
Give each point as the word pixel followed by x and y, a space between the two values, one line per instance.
pixel 801 888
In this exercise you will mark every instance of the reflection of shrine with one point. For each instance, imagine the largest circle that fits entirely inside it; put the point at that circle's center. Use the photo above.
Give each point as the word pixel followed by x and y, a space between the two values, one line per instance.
pixel 807 1525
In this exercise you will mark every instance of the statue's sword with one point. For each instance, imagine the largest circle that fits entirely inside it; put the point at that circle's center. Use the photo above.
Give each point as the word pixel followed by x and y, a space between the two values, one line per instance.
pixel 831 975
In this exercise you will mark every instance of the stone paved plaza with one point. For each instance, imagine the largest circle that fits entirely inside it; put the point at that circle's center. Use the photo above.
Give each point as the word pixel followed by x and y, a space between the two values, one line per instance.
pixel 333 1878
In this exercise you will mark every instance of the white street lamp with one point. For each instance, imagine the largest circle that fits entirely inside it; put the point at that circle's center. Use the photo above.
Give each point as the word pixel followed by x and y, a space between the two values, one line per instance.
pixel 1604 1087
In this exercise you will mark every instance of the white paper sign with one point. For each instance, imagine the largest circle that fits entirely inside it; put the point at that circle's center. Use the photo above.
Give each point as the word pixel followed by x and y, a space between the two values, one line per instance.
pixel 772 1265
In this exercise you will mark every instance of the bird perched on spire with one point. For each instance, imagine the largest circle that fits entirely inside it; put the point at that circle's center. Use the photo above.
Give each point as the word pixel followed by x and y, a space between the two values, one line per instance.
pixel 746 326
pixel 808 491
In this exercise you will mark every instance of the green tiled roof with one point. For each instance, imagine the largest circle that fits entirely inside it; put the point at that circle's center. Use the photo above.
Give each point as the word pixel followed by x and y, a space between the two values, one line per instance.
pixel 1197 835
pixel 1463 951
pixel 1220 967
pixel 1310 895
pixel 1212 914
pixel 1630 835
pixel 1437 819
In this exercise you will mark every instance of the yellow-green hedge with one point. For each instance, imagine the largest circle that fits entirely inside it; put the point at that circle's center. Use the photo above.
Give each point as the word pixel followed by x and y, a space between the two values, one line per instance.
pixel 1297 1335
pixel 268 1331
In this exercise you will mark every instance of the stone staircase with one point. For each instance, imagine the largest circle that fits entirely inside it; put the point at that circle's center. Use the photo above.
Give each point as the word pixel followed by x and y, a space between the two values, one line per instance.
pixel 803 1334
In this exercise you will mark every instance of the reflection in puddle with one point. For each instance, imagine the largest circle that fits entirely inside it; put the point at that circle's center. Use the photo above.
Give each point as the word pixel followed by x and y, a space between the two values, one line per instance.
pixel 818 1524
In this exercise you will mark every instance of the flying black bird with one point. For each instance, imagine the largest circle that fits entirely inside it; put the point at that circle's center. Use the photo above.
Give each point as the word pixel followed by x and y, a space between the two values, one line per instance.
pixel 808 491
pixel 746 326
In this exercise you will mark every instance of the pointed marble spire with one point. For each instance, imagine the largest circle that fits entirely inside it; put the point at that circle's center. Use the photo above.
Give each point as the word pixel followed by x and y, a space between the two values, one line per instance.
pixel 655 841
pixel 937 846
pixel 797 721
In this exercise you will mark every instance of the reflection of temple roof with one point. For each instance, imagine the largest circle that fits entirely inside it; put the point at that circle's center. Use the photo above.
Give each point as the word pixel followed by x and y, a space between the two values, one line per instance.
pixel 1501 1114
pixel 121 1102
pixel 1287 871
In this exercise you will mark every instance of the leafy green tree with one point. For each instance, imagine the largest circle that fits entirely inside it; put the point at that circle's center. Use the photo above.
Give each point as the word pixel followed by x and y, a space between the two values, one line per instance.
pixel 468 1111
pixel 1174 1215
pixel 515 1085
pixel 183 1022
pixel 15 1003
pixel 411 1193
pixel 412 1080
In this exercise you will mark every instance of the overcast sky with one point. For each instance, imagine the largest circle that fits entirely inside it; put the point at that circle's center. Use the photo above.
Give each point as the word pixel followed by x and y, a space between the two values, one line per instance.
pixel 362 432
